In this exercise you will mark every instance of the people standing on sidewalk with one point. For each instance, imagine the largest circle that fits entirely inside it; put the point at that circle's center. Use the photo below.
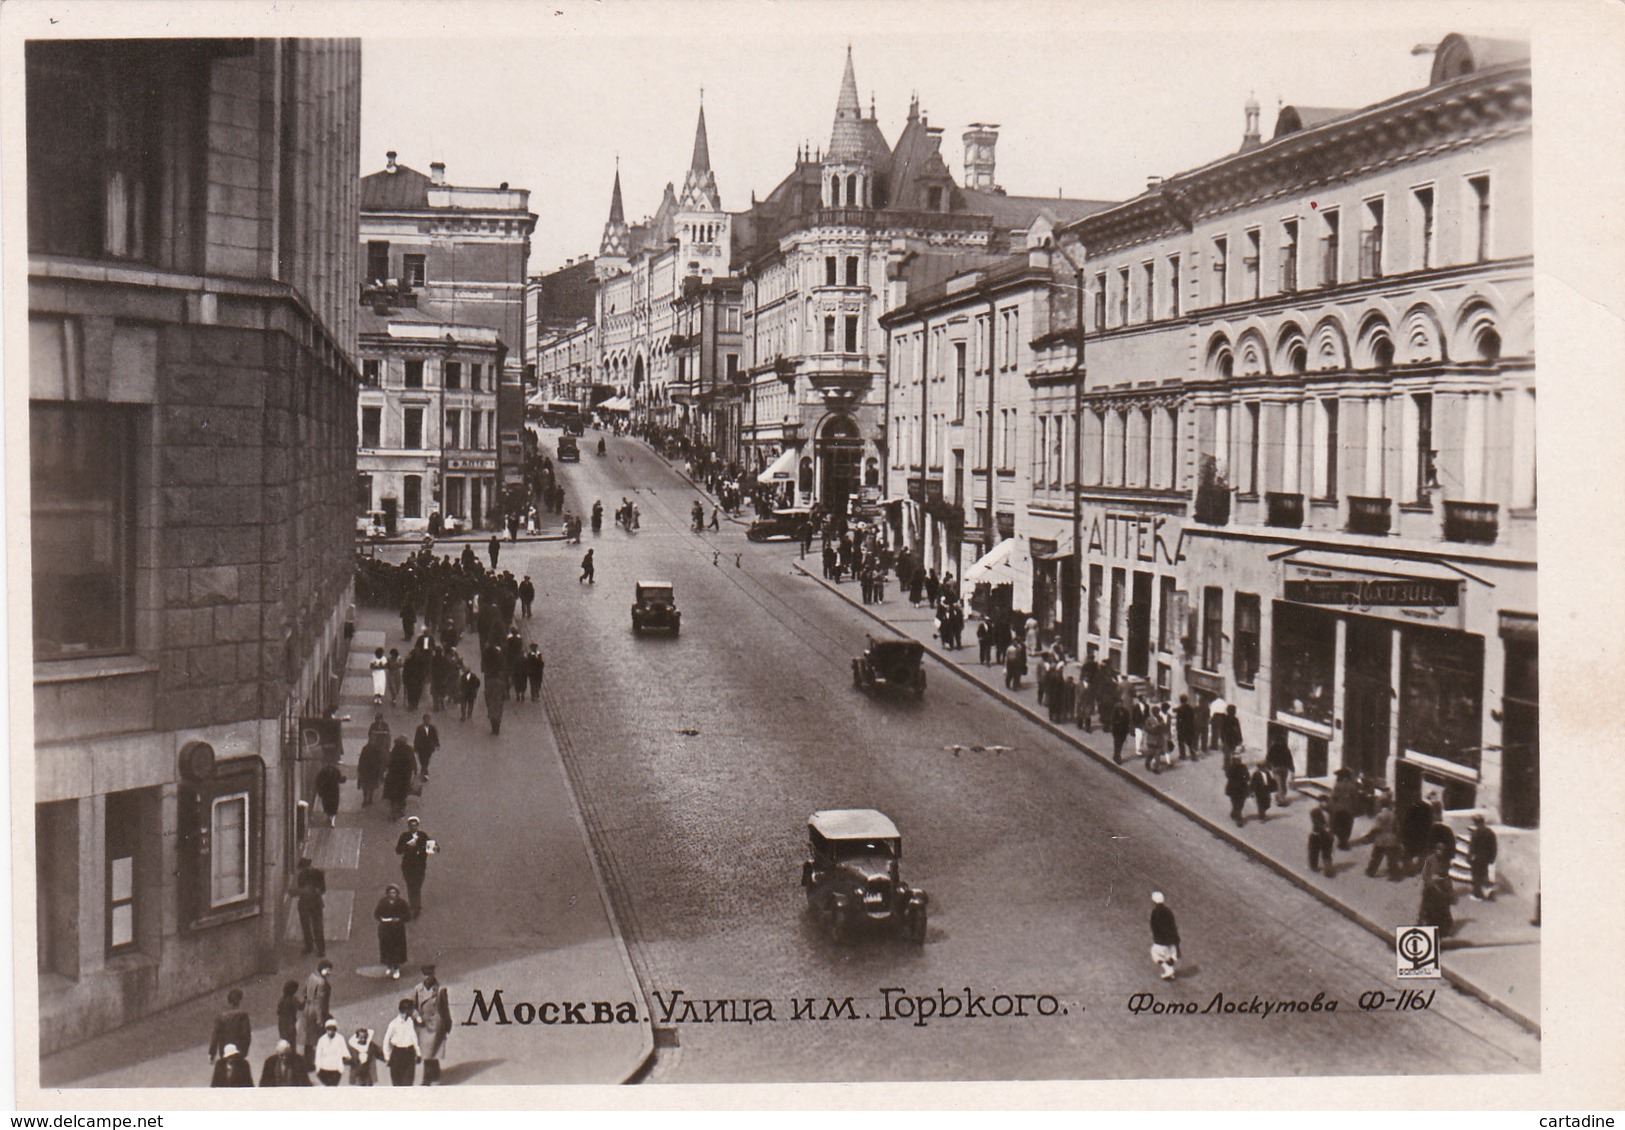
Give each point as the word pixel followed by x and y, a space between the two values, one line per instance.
pixel 1384 837
pixel 1263 786
pixel 1278 759
pixel 284 1068
pixel 330 1055
pixel 309 890
pixel 415 672
pixel 391 914
pixel 425 742
pixel 984 643
pixel 318 1001
pixel 534 668
pixel 1156 738
pixel 1344 803
pixel 231 1027
pixel 288 1008
pixel 527 594
pixel 1438 893
pixel 1237 786
pixel 1015 665
pixel 231 1069
pixel 398 777
pixel 1481 850
pixel 392 676
pixel 432 1014
pixel 468 693
pixel 1122 724
pixel 361 1056
pixel 445 664
pixel 1164 936
pixel 369 769
pixel 1320 840
pixel 1185 728
pixel 414 847
pixel 401 1046
pixel 380 676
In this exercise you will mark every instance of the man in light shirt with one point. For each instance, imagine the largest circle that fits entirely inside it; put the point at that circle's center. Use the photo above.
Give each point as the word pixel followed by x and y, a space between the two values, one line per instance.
pixel 401 1046
pixel 330 1053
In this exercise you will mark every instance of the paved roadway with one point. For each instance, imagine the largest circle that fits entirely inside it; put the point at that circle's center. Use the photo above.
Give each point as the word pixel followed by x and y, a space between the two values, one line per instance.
pixel 696 761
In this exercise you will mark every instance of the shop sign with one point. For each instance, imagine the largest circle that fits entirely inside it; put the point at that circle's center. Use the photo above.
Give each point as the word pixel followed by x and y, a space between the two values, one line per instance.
pixel 1365 593
pixel 1134 536
pixel 477 464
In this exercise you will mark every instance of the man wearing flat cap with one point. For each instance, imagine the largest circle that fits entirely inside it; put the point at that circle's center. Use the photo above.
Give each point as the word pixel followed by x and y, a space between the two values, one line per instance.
pixel 432 1014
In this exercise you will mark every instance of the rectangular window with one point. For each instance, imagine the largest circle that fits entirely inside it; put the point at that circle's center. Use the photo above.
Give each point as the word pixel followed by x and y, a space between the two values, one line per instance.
pixel 414 429
pixel 228 850
pixel 731 367
pixel 1014 340
pixel 1331 248
pixel 1247 457
pixel 1426 473
pixel 1246 638
pixel 1038 453
pixel 1100 302
pixel 363 492
pixel 1424 211
pixel 851 333
pixel 414 373
pixel 413 270
pixel 455 506
pixel 1212 628
pixel 1119 610
pixel 1174 306
pixel 377 260
pixel 1289 257
pixel 1221 271
pixel 1147 454
pixel 851 270
pixel 474 377
pixel 1250 264
pixel 1097 578
pixel 372 426
pixel 412 504
pixel 1479 221
pixel 1150 273
pixel 1371 240
pixel 476 419
pixel 829 334
pixel 1167 618
pixel 123 829
pixel 1333 451
pixel 82 475
pixel 454 374
pixel 454 428
pixel 959 381
pixel 370 372
pixel 829 270
pixel 1122 296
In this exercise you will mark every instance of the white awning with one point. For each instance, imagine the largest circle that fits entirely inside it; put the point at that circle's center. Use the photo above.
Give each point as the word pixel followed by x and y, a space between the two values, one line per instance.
pixel 616 404
pixel 1008 563
pixel 782 470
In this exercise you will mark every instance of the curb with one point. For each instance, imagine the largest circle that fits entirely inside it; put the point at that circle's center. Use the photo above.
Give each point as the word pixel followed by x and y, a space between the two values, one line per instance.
pixel 1530 1024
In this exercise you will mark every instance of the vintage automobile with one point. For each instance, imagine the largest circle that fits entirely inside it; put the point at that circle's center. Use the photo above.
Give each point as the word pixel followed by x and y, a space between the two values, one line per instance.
pixel 655 608
pixel 895 663
pixel 569 449
pixel 852 879
pixel 787 524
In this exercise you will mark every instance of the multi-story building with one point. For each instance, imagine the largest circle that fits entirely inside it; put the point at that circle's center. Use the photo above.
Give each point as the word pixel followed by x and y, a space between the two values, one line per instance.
pixel 192 212
pixel 462 250
pixel 1324 342
pixel 428 413
pixel 709 384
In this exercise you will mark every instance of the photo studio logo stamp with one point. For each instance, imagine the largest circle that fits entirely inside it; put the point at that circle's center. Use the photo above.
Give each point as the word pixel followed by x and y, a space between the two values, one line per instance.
pixel 1416 949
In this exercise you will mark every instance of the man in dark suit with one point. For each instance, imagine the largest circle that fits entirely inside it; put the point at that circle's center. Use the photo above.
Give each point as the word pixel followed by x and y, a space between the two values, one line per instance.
pixel 413 848
pixel 232 1027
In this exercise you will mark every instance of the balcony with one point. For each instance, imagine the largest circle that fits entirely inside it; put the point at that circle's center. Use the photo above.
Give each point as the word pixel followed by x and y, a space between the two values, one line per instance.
pixel 1472 522
pixel 1370 515
pixel 1282 509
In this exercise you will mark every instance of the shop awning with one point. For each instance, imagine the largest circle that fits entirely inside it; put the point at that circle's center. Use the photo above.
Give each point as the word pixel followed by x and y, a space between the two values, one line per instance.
pixel 616 404
pixel 1062 550
pixel 782 469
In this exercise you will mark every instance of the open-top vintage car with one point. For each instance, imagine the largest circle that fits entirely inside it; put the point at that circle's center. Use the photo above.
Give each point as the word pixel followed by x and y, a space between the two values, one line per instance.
pixel 790 522
pixel 851 875
pixel 895 663
pixel 655 607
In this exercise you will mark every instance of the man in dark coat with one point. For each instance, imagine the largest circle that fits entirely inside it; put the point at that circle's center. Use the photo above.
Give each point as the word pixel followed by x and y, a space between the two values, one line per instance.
pixel 1263 783
pixel 468 692
pixel 232 1028
pixel 1185 728
pixel 1481 849
pixel 415 673
pixel 285 1068
pixel 328 780
pixel 527 595
pixel 409 619
pixel 424 743
pixel 1237 785
pixel 398 777
pixel 413 848
pixel 1345 800
pixel 494 548
pixel 535 667
pixel 370 769
pixel 586 569
pixel 309 889
pixel 1320 840
pixel 1122 722
pixel 1438 893
pixel 1164 936
pixel 231 1069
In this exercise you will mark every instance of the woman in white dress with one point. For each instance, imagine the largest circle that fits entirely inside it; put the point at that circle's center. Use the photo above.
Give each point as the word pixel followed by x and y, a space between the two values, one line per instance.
pixel 380 677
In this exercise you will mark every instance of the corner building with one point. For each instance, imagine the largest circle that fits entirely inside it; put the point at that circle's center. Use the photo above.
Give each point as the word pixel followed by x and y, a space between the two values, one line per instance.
pixel 192 220
pixel 1355 431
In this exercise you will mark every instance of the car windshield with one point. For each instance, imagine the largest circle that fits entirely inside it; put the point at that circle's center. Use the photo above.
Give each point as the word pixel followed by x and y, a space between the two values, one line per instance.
pixel 848 849
pixel 654 595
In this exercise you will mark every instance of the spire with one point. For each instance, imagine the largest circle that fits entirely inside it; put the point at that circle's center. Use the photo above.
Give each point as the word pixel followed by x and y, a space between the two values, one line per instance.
pixel 701 162
pixel 847 108
pixel 853 139
pixel 615 242
pixel 617 214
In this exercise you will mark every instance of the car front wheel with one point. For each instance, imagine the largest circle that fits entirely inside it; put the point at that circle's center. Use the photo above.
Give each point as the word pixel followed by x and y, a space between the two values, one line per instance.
pixel 914 925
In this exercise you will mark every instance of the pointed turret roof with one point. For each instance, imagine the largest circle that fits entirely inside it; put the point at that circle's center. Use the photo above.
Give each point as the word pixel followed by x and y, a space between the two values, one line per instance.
pixel 615 243
pixel 617 214
pixel 701 162
pixel 846 106
pixel 854 138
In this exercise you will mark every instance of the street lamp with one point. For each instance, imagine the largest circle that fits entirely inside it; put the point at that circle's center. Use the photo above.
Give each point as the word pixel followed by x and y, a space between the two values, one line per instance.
pixel 1072 247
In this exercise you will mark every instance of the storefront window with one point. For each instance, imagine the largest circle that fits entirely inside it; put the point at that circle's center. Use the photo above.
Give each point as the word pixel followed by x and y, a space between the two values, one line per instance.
pixel 1304 662
pixel 1441 694
pixel 1212 628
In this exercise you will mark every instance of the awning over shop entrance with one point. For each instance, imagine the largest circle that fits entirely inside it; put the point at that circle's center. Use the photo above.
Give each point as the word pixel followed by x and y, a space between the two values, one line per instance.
pixel 1008 563
pixel 782 470
pixel 615 404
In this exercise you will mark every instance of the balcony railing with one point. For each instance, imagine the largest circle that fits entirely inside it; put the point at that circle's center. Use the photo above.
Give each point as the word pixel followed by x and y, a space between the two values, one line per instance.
pixel 1471 522
pixel 1370 515
pixel 1282 509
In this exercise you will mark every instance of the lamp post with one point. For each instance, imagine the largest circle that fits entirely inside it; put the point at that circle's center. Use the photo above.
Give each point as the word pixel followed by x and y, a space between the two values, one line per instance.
pixel 1072 247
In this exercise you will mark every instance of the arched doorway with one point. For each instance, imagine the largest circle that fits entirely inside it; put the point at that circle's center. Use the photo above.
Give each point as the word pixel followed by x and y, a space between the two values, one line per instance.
pixel 840 458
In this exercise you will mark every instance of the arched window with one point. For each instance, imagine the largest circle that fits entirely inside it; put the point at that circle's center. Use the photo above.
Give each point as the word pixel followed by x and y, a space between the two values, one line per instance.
pixel 852 189
pixel 1382 353
pixel 1488 346
pixel 1297 359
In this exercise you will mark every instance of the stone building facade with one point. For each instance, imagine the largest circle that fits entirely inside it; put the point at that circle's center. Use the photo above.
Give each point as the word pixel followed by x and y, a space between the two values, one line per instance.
pixel 192 210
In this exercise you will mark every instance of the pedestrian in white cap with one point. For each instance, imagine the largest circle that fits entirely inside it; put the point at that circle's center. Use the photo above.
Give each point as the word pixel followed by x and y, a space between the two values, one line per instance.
pixel 1164 936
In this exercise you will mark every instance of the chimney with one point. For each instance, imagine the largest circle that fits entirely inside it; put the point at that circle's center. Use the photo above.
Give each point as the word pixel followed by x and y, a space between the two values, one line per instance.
pixel 1152 183
pixel 980 139
pixel 389 163
pixel 437 172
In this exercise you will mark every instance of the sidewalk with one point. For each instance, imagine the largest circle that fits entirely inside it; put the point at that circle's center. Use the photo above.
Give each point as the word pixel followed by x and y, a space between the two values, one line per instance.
pixel 526 913
pixel 1493 953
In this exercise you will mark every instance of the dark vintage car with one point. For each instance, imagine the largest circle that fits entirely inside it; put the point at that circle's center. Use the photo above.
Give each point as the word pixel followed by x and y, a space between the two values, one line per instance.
pixel 790 523
pixel 569 449
pixel 894 663
pixel 851 876
pixel 655 608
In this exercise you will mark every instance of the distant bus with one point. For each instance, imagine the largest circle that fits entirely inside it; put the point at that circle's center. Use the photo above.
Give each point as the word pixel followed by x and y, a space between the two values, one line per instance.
pixel 564 414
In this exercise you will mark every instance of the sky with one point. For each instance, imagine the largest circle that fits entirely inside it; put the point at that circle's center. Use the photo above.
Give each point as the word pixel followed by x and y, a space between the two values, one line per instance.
pixel 1091 98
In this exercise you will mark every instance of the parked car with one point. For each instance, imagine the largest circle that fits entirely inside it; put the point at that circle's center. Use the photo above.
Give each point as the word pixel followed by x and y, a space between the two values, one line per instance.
pixel 852 879
pixel 788 524
pixel 894 663
pixel 569 449
pixel 655 607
